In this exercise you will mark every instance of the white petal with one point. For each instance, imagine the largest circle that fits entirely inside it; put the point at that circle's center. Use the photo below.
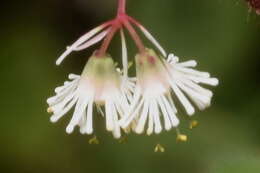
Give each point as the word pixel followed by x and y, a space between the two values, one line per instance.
pixel 185 102
pixel 172 59
pixel 173 118
pixel 61 95
pixel 208 81
pixel 196 87
pixel 141 122
pixel 156 117
pixel 202 101
pixel 78 114
pixel 190 63
pixel 109 116
pixel 150 123
pixel 167 122
pixel 192 72
pixel 73 76
pixel 54 118
pixel 169 97
pixel 59 107
pixel 89 124
pixel 116 131
pixel 126 120
pixel 83 122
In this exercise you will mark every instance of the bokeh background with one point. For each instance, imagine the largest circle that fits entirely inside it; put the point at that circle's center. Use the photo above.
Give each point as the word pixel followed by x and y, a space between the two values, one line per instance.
pixel 221 35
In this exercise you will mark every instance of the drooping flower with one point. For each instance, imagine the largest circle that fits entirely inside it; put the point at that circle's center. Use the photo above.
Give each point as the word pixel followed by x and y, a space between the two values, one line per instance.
pixel 150 93
pixel 99 84
pixel 157 81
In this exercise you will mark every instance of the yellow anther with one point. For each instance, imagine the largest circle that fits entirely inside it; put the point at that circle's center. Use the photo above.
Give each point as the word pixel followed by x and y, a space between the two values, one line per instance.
pixel 50 110
pixel 93 140
pixel 193 124
pixel 181 138
pixel 159 148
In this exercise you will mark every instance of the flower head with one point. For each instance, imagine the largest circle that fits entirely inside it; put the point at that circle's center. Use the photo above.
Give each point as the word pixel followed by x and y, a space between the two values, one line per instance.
pixel 127 102
pixel 99 84
pixel 157 81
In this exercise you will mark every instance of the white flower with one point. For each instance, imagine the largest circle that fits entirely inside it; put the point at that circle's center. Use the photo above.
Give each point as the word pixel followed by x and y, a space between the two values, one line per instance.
pixel 187 80
pixel 157 81
pixel 99 84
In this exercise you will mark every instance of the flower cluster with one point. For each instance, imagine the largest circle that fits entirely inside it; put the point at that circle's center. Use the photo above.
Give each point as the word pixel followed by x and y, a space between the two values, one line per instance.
pixel 146 102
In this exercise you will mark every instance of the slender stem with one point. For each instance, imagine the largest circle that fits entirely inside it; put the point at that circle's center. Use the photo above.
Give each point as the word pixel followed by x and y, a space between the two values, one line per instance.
pixel 121 6
pixel 134 36
pixel 107 41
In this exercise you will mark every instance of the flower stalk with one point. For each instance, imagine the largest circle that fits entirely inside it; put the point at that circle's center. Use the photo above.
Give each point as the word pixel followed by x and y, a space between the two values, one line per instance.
pixel 121 6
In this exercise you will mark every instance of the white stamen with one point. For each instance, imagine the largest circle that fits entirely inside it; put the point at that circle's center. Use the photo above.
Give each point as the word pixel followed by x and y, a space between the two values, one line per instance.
pixel 89 121
pixel 187 105
pixel 93 41
pixel 124 122
pixel 167 122
pixel 79 110
pixel 174 120
pixel 73 76
pixel 109 116
pixel 153 40
pixel 196 87
pixel 129 119
pixel 193 72
pixel 116 131
pixel 209 81
pixel 196 97
pixel 59 106
pixel 83 122
pixel 141 122
pixel 156 117
pixel 81 40
pixel 191 63
pixel 172 59
pixel 124 54
pixel 150 123
pixel 54 118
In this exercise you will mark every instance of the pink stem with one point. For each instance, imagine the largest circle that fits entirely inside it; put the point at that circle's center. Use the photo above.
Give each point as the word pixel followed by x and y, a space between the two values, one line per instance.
pixel 121 6
pixel 134 36
pixel 107 41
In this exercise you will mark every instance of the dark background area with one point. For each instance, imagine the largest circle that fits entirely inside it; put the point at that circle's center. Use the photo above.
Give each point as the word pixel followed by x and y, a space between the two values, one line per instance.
pixel 218 34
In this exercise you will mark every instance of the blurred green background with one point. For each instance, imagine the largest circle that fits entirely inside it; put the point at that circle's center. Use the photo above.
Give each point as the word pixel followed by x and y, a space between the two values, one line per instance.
pixel 218 34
